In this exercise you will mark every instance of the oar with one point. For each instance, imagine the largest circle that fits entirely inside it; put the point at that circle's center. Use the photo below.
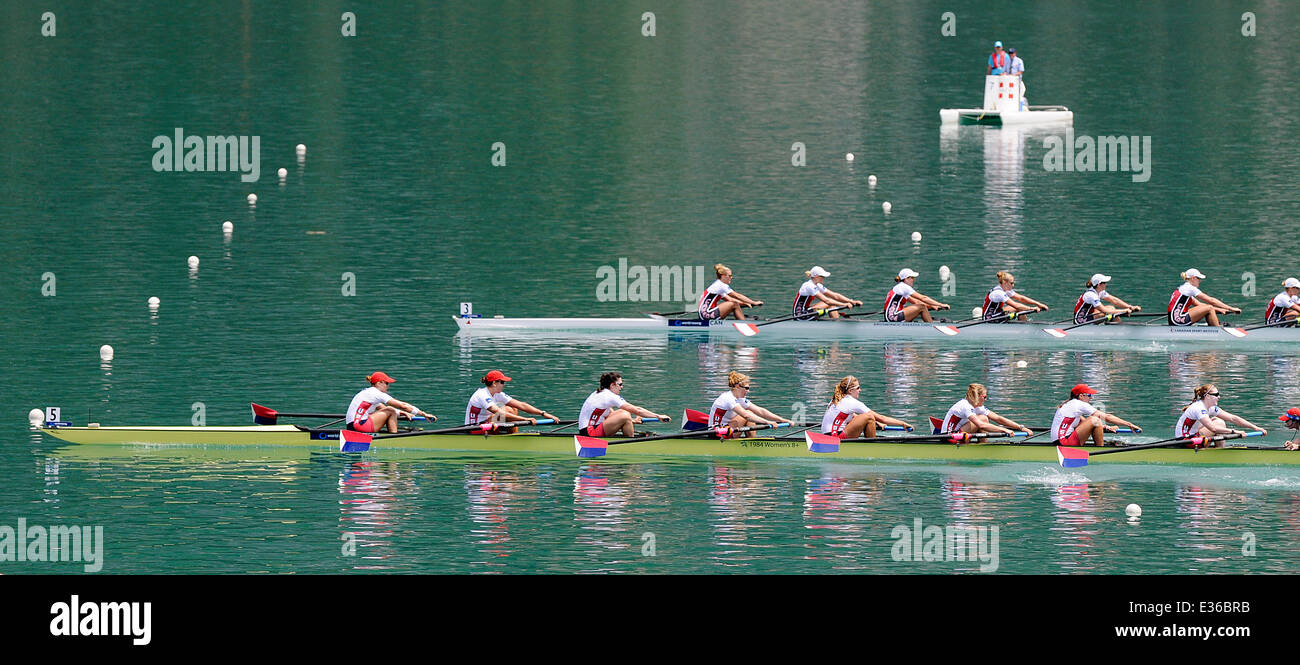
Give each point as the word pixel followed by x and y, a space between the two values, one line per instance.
pixel 359 442
pixel 263 415
pixel 953 330
pixel 590 446
pixel 751 329
pixel 864 314
pixel 1070 457
pixel 1241 332
pixel 483 427
pixel 1061 332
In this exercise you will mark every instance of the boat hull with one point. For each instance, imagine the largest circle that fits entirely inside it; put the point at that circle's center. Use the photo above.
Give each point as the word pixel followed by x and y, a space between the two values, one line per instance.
pixel 793 447
pixel 1062 116
pixel 826 329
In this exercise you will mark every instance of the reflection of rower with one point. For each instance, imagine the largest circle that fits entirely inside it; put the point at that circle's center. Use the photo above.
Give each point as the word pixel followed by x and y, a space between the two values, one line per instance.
pixel 1002 303
pixel 814 295
pixel 1189 304
pixel 1090 306
pixel 847 417
pixel 1284 306
pixel 904 302
pixel 1203 417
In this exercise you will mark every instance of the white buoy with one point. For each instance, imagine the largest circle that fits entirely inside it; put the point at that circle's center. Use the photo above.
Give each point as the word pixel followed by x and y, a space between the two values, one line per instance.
pixel 849 157
pixel 35 417
pixel 975 312
pixel 105 353
pixel 193 261
pixel 1021 364
pixel 154 302
pixel 916 236
pixel 227 227
pixel 301 149
pixel 944 273
pixel 886 206
pixel 283 173
pixel 252 199
pixel 1133 510
pixel 871 180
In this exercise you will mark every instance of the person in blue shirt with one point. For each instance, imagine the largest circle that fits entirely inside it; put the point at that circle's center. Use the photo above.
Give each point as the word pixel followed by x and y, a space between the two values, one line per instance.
pixel 998 62
pixel 1017 66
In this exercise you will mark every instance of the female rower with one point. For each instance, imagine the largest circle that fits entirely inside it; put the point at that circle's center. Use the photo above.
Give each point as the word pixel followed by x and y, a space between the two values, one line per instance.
pixel 1284 306
pixel 606 413
pixel 1002 303
pixel 814 295
pixel 1189 304
pixel 849 418
pixel 733 408
pixel 1090 308
pixel 373 409
pixel 970 415
pixel 1078 420
pixel 1292 418
pixel 1203 417
pixel 491 404
pixel 720 300
pixel 904 302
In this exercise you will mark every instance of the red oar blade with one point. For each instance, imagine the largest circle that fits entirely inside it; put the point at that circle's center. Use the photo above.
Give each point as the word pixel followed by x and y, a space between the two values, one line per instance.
pixel 1071 458
pixel 693 420
pixel 1236 332
pixel 353 442
pixel 822 443
pixel 947 330
pixel 589 446
pixel 263 415
pixel 1055 332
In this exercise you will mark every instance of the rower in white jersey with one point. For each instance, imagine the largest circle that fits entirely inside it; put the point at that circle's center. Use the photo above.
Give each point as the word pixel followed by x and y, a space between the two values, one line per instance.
pixel 733 408
pixel 606 413
pixel 720 300
pixel 1078 420
pixel 373 410
pixel 1091 307
pixel 1284 306
pixel 904 302
pixel 1203 417
pixel 848 418
pixel 970 415
pixel 1190 304
pixel 491 404
pixel 813 295
pixel 1002 303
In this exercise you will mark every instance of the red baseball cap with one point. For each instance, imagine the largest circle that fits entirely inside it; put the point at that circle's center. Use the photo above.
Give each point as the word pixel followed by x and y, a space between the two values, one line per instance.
pixel 1291 414
pixel 495 375
pixel 379 376
pixel 1082 389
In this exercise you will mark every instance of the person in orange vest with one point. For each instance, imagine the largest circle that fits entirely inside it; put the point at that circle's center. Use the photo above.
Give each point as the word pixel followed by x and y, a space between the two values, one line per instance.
pixel 998 61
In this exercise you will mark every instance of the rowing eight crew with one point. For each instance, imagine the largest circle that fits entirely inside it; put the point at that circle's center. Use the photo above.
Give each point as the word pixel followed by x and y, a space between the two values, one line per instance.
pixel 1188 304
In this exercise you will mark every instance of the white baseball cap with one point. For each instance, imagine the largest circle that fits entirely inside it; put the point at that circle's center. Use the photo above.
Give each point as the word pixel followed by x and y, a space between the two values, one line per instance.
pixel 818 271
pixel 1099 279
pixel 1193 272
pixel 1291 283
pixel 907 272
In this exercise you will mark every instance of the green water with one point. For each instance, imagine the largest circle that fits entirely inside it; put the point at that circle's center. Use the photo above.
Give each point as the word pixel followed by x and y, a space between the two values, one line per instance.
pixel 668 150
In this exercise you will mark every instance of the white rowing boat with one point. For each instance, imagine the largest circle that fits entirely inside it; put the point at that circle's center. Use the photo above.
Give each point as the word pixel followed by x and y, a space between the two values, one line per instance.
pixel 1004 104
pixel 828 329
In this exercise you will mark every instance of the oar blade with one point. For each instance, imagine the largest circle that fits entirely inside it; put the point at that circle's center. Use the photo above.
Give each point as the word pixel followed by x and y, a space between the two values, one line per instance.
pixel 1056 332
pixel 821 443
pixel 693 421
pixel 1236 332
pixel 947 330
pixel 936 425
pixel 1071 458
pixel 746 329
pixel 589 446
pixel 263 415
pixel 353 442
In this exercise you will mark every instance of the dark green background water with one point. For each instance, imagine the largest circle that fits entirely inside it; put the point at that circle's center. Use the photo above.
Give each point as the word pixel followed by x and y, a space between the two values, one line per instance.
pixel 670 150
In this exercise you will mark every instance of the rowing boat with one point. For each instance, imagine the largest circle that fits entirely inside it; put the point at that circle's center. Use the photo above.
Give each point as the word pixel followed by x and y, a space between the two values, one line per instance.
pixel 560 443
pixel 827 329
